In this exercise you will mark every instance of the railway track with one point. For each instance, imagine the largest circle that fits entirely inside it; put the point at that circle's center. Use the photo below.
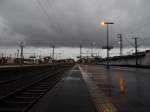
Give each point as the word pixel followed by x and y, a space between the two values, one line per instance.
pixel 12 80
pixel 13 75
pixel 11 85
pixel 22 99
pixel 21 77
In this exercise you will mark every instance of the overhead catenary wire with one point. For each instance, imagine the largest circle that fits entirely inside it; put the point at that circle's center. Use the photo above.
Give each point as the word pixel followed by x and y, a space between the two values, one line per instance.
pixel 46 14
pixel 43 9
pixel 52 24
pixel 129 42
pixel 57 25
pixel 144 39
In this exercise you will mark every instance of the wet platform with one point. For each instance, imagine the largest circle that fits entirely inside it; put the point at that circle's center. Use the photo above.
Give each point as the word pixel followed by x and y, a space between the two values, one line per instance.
pixel 123 89
pixel 69 95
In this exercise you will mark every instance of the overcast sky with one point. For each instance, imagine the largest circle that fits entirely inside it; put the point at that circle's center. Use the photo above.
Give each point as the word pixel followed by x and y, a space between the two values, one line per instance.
pixel 72 22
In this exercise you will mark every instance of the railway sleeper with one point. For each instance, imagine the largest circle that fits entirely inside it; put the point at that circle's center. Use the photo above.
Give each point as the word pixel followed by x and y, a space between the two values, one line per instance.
pixel 6 106
pixel 35 91
pixel 17 99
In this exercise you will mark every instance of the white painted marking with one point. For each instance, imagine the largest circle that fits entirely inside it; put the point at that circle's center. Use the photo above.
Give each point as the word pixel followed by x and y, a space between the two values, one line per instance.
pixel 100 100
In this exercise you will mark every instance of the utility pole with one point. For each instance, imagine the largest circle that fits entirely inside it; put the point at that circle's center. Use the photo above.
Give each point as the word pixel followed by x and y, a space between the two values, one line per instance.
pixel 92 45
pixel 121 44
pixel 2 58
pixel 53 46
pixel 92 49
pixel 87 57
pixel 21 54
pixel 136 46
pixel 50 54
pixel 17 54
pixel 80 51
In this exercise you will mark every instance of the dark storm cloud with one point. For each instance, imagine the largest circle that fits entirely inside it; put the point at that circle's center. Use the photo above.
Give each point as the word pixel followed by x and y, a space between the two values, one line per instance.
pixel 71 22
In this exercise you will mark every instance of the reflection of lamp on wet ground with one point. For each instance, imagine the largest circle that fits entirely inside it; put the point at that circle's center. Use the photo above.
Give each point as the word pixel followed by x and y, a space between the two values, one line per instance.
pixel 122 86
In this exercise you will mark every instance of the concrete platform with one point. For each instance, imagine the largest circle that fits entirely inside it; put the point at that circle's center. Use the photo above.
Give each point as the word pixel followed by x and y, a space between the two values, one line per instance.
pixel 119 89
pixel 69 95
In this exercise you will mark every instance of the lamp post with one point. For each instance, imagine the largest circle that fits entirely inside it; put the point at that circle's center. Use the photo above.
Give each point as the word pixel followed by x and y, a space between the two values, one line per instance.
pixel 108 48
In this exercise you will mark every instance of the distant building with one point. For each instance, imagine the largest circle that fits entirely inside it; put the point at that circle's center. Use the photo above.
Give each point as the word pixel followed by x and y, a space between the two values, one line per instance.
pixel 143 59
pixel 89 60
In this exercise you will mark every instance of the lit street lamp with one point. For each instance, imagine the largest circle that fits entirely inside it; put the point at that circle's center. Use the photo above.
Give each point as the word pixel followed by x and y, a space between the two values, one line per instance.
pixel 108 48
